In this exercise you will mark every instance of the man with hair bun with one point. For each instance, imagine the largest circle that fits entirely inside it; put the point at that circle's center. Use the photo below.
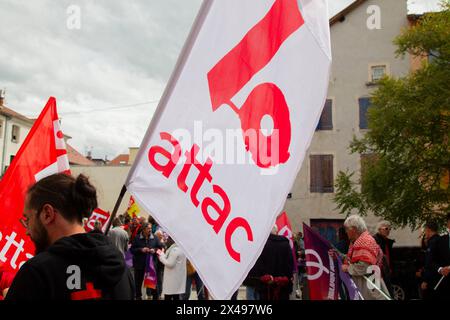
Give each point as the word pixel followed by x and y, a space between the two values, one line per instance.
pixel 70 264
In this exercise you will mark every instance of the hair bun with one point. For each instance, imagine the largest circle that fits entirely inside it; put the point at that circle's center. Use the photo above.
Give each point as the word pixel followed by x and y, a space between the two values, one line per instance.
pixel 84 195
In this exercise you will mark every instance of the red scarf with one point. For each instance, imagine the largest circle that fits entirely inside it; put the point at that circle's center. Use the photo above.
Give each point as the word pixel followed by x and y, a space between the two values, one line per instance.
pixel 365 249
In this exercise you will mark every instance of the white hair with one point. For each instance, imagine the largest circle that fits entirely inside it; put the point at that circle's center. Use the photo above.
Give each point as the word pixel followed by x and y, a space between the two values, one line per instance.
pixel 355 221
pixel 382 224
pixel 274 229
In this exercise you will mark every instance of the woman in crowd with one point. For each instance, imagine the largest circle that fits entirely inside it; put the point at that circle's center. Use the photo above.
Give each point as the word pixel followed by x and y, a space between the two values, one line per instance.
pixel 174 279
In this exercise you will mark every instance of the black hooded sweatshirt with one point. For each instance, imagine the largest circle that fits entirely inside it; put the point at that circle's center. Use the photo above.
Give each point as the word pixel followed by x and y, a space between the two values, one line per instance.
pixel 80 267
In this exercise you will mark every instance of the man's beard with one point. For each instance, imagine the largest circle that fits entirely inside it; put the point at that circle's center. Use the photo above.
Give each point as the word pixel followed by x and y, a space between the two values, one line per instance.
pixel 40 239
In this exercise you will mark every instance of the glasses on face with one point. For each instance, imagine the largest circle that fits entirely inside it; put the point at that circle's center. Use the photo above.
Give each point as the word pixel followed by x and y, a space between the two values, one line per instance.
pixel 24 222
pixel 386 229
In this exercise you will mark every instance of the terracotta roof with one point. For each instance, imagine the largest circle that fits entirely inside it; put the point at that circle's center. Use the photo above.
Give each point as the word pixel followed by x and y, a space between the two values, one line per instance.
pixel 4 110
pixel 120 160
pixel 77 158
pixel 341 15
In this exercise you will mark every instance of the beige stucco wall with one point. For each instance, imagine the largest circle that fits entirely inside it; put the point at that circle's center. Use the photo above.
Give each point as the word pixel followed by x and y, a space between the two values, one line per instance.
pixel 7 147
pixel 109 181
pixel 133 153
pixel 354 49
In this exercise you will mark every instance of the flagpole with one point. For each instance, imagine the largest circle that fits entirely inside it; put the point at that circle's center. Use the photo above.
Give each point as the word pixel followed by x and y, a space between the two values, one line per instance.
pixel 116 208
pixel 437 286
pixel 378 289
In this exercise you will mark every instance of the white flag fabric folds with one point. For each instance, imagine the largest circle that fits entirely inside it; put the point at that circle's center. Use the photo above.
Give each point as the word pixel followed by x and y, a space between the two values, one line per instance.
pixel 246 66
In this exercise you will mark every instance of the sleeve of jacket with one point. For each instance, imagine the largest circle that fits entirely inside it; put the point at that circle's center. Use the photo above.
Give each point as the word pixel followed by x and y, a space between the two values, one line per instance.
pixel 358 269
pixel 432 262
pixel 28 285
pixel 136 246
pixel 171 260
pixel 125 244
pixel 157 244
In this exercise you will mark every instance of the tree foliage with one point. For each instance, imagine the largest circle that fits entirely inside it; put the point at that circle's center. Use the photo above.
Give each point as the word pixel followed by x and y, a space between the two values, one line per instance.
pixel 407 182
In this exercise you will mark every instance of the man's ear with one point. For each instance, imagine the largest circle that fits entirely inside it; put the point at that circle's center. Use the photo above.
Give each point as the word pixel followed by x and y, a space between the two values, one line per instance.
pixel 48 214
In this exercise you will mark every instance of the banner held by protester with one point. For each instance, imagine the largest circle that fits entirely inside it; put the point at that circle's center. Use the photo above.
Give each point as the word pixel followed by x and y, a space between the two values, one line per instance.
pixel 321 266
pixel 100 215
pixel 42 154
pixel 244 62
pixel 285 230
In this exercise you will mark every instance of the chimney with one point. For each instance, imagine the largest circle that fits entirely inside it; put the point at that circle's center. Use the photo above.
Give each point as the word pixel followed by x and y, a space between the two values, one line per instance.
pixel 2 97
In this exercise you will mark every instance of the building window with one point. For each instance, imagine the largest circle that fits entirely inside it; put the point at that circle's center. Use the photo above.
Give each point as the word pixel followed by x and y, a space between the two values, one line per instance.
pixel 15 134
pixel 377 73
pixel 364 105
pixel 321 174
pixel 328 228
pixel 289 196
pixel 326 119
pixel 1 128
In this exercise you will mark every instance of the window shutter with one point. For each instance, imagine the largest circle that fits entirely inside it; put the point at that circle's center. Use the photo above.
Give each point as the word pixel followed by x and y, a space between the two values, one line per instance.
pixel 327 173
pixel 326 119
pixel 321 171
pixel 364 104
pixel 315 174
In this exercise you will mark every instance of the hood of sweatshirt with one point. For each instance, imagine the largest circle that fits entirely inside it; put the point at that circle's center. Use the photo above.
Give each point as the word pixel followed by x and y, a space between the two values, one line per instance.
pixel 94 254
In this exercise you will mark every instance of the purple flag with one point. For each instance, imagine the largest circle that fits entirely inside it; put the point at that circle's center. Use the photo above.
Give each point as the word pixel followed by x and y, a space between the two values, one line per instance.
pixel 129 258
pixel 150 280
pixel 320 266
pixel 352 290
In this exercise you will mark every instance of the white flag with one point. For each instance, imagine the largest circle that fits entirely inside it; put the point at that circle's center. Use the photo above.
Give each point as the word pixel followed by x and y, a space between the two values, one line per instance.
pixel 205 170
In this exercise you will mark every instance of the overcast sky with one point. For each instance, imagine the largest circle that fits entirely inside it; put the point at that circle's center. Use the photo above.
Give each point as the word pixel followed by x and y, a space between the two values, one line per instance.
pixel 107 76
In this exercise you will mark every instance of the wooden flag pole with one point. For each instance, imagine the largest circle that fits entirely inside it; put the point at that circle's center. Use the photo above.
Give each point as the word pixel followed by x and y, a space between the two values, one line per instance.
pixel 116 208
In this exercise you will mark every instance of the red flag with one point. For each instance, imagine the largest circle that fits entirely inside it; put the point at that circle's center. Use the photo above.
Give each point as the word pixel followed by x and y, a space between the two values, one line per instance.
pixel 97 214
pixel 43 153
pixel 285 229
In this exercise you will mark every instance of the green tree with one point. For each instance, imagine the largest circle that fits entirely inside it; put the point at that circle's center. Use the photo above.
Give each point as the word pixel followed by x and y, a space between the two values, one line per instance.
pixel 406 182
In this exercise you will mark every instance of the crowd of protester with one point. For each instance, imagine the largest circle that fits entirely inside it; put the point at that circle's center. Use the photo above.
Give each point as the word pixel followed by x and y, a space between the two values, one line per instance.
pixel 137 259
pixel 151 248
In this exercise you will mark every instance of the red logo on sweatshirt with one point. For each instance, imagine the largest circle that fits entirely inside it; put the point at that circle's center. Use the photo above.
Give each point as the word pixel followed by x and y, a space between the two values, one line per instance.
pixel 89 294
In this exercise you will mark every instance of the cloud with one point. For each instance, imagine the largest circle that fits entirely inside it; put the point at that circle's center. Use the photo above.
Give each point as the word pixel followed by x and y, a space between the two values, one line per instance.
pixel 123 54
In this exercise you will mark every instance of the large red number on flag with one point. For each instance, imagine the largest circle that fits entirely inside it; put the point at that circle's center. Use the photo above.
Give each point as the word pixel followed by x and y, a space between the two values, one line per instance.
pixel 237 68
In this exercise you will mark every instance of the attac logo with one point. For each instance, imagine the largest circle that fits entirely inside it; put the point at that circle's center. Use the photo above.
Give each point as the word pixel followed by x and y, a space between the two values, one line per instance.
pixel 258 47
